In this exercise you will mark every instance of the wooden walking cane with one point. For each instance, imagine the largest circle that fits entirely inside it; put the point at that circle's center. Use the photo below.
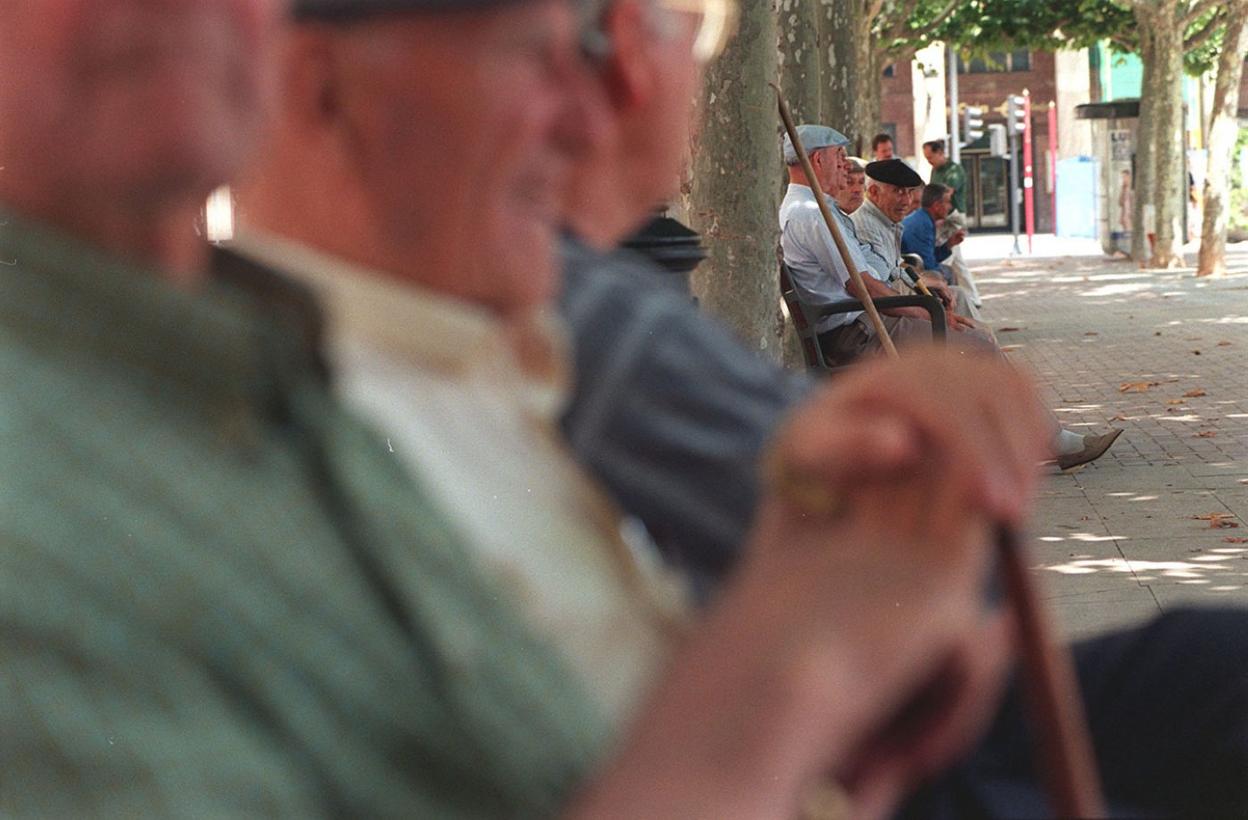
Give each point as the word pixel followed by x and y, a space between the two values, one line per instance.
pixel 1056 709
pixel 854 274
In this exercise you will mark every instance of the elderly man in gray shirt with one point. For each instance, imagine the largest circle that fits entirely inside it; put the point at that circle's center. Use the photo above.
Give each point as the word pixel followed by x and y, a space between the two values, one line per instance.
pixel 878 223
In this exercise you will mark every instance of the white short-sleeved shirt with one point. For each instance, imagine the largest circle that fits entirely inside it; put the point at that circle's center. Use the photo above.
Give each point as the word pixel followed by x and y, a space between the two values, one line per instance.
pixel 819 274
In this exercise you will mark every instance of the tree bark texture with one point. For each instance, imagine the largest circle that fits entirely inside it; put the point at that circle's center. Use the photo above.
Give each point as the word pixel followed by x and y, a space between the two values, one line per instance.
pixel 1160 180
pixel 1223 129
pixel 866 119
pixel 844 28
pixel 1169 180
pixel 1144 141
pixel 800 59
pixel 733 192
pixel 800 64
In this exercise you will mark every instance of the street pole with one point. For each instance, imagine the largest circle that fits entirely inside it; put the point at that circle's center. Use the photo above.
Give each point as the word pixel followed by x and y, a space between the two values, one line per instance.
pixel 951 68
pixel 1029 181
pixel 1053 161
pixel 1018 251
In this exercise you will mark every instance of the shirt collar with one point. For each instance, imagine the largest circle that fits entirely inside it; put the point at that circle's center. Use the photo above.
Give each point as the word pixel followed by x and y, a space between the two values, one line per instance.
pixel 416 324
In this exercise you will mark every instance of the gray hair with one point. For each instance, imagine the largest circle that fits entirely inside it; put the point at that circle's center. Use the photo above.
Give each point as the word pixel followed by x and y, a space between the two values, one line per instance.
pixel 933 193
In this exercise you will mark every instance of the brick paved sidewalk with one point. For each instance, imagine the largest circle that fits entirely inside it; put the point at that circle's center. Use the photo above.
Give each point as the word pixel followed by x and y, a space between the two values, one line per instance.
pixel 1162 355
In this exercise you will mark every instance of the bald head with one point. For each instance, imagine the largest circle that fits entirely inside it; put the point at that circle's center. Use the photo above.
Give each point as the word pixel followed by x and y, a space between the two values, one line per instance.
pixel 430 145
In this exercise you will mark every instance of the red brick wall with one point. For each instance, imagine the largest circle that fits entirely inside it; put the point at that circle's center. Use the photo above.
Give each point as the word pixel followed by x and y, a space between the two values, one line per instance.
pixel 989 90
pixel 897 107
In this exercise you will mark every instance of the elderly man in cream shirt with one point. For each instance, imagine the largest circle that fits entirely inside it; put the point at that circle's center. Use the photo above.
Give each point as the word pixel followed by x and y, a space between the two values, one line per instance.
pixel 435 290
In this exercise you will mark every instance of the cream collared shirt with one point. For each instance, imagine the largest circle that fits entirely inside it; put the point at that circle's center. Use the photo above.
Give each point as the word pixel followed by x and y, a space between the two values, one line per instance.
pixel 476 424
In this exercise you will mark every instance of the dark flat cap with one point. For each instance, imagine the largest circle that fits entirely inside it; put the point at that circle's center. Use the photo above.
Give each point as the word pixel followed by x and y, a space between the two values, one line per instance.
pixel 894 172
pixel 346 10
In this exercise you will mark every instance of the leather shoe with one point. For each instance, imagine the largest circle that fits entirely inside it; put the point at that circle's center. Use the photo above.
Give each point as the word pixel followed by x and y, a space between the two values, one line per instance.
pixel 1093 448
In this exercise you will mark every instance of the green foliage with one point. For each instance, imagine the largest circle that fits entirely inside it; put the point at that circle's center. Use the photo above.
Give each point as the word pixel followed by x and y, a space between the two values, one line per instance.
pixel 981 26
pixel 978 27
pixel 1204 57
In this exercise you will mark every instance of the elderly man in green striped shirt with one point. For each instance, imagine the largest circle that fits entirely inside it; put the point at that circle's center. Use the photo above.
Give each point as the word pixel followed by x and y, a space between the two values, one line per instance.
pixel 221 594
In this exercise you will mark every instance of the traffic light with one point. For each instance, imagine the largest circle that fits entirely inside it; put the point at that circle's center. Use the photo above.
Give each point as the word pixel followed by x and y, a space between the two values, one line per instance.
pixel 972 123
pixel 1016 113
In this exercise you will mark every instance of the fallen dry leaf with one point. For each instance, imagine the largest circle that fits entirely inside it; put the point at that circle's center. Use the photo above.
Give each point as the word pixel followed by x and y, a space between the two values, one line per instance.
pixel 1217 521
pixel 1225 343
pixel 1176 401
pixel 1235 539
pixel 1196 352
pixel 1195 393
pixel 1156 332
pixel 1091 333
pixel 1008 329
pixel 1207 434
pixel 1193 338
pixel 1117 417
pixel 1136 387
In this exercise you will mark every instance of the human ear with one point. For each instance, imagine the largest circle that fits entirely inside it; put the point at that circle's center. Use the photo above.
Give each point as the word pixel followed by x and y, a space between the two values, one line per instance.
pixel 628 70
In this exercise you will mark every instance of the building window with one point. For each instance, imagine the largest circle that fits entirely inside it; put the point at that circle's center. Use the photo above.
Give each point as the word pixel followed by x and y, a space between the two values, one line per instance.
pixel 996 62
pixel 888 71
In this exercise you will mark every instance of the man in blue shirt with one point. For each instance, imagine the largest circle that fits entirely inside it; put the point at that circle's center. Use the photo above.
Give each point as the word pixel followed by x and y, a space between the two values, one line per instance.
pixel 919 230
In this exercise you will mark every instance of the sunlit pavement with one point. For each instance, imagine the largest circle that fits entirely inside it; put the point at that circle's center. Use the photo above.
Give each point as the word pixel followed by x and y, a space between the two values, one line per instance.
pixel 1162 520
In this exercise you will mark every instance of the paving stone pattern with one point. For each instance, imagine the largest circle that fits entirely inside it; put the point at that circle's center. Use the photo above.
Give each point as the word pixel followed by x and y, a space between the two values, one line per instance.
pixel 1118 541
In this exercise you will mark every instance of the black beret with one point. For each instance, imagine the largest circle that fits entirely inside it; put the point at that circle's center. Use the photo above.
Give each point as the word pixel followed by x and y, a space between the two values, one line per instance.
pixel 346 10
pixel 894 172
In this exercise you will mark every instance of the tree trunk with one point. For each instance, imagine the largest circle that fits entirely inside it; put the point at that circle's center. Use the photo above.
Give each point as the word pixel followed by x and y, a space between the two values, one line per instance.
pixel 1142 180
pixel 1223 130
pixel 799 58
pixel 1169 182
pixel 842 30
pixel 800 61
pixel 867 120
pixel 733 195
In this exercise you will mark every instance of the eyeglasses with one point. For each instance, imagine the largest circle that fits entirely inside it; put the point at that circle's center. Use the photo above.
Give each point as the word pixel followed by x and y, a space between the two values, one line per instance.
pixel 717 23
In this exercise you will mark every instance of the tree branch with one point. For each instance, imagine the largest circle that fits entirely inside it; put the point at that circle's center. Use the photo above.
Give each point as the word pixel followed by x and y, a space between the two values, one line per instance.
pixel 873 10
pixel 905 55
pixel 1206 31
pixel 901 31
pixel 1198 10
pixel 892 26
